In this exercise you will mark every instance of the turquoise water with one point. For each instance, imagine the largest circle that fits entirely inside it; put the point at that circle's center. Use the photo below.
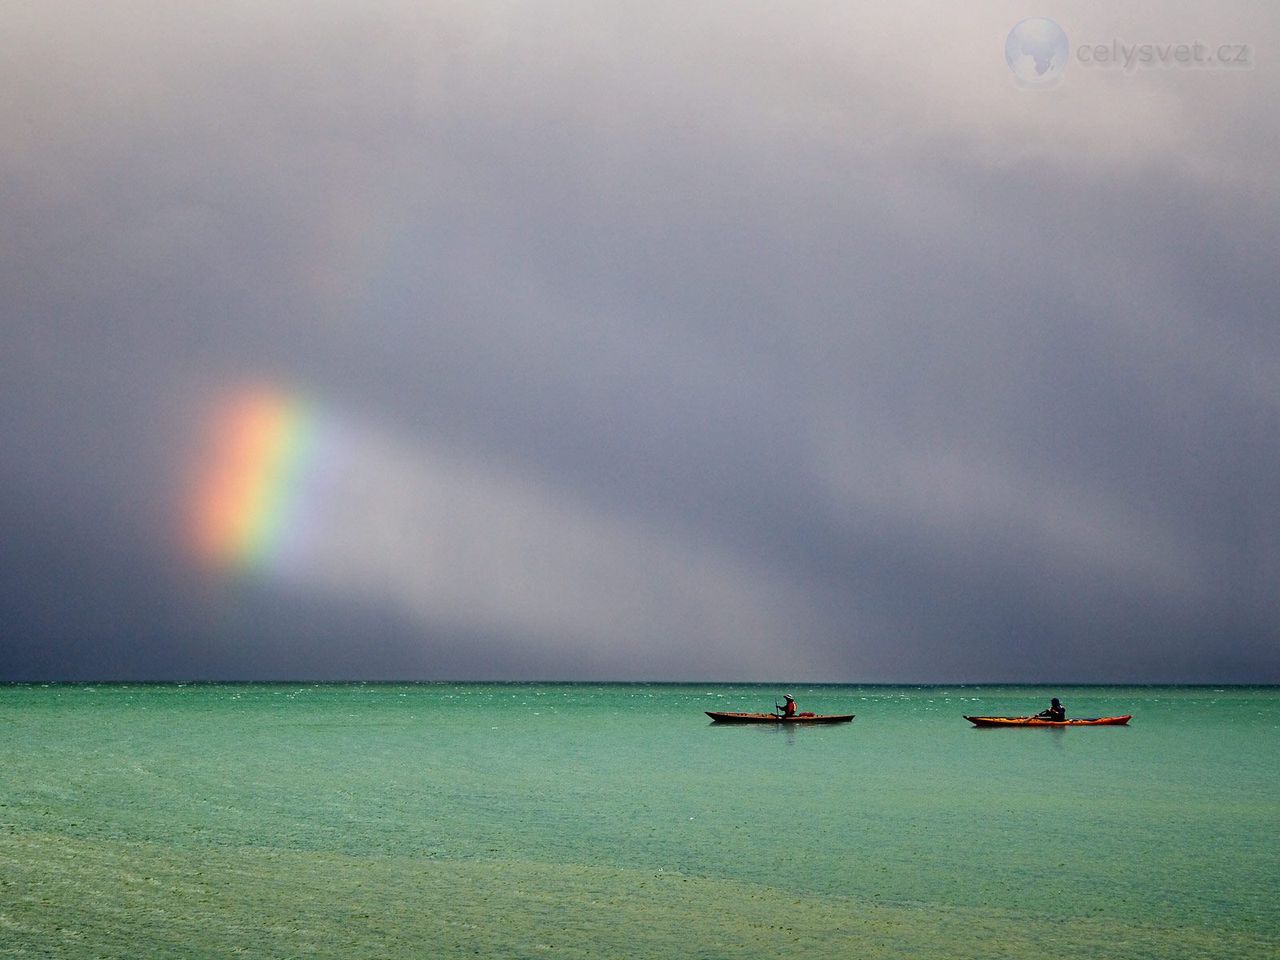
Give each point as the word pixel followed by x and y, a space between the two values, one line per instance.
pixel 589 820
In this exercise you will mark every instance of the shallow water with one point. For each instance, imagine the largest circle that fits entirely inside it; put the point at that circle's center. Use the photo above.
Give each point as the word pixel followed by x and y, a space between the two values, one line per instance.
pixel 376 820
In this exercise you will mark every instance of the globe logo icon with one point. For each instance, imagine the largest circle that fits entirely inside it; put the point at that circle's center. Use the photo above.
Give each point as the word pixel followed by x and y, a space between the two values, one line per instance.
pixel 1036 51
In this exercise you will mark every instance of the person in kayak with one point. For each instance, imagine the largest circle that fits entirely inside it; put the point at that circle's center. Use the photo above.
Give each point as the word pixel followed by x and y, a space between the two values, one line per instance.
pixel 1056 711
pixel 789 707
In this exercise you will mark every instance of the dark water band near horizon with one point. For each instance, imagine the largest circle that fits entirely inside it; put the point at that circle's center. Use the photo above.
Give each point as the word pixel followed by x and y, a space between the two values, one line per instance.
pixel 593 819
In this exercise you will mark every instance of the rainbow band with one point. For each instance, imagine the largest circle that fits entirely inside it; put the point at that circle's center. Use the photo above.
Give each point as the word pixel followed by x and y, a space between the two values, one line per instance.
pixel 248 488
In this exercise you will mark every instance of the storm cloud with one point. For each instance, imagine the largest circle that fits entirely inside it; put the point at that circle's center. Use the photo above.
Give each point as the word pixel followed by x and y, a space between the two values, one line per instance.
pixel 733 340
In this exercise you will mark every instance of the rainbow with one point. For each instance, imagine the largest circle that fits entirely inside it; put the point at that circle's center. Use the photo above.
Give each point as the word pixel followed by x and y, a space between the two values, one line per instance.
pixel 250 486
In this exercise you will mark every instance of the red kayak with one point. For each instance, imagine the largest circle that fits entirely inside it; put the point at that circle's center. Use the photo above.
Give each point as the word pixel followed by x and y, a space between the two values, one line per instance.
pixel 1038 722
pixel 774 718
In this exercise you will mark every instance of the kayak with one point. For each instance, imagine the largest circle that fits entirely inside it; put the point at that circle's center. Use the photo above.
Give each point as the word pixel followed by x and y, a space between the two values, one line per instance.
pixel 717 717
pixel 1038 722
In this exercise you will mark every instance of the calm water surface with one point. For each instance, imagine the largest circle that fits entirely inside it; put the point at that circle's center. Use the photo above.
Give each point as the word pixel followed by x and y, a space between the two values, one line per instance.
pixel 588 820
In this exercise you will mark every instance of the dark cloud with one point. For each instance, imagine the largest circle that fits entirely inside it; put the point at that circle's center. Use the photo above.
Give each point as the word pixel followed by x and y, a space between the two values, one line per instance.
pixel 891 368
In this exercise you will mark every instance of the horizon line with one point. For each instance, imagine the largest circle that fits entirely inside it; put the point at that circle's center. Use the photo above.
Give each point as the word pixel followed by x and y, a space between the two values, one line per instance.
pixel 636 682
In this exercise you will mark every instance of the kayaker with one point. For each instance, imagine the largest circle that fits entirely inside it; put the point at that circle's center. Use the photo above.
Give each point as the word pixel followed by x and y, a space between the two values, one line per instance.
pixel 789 707
pixel 1056 711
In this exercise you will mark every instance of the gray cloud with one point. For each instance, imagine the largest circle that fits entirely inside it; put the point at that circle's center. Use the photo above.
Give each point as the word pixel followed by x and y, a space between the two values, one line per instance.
pixel 932 377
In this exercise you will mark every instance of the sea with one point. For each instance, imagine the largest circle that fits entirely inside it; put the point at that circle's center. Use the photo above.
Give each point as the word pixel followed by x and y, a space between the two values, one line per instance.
pixel 596 820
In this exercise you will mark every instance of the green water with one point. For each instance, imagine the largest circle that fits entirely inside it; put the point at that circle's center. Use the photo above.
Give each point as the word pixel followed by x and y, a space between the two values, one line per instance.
pixel 589 820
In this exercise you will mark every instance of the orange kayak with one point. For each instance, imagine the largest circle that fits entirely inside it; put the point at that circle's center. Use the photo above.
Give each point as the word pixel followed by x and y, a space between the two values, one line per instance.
pixel 774 718
pixel 1038 722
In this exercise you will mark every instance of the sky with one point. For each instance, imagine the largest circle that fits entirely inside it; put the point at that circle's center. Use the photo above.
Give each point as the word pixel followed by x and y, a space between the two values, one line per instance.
pixel 814 341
